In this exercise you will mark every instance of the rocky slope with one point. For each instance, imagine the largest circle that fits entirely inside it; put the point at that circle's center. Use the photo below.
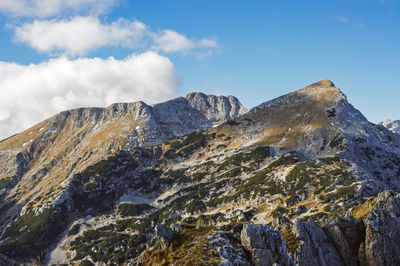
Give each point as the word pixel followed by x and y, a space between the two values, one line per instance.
pixel 392 125
pixel 302 179
pixel 42 159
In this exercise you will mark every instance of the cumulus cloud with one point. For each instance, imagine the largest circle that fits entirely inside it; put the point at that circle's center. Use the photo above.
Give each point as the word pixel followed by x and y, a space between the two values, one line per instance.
pixel 170 41
pixel 34 92
pixel 79 35
pixel 48 8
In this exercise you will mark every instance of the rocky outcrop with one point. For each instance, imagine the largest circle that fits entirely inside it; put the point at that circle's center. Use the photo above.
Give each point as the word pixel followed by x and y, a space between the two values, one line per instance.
pixel 373 240
pixel 346 235
pixel 392 125
pixel 164 235
pixel 230 254
pixel 382 232
pixel 265 245
pixel 315 248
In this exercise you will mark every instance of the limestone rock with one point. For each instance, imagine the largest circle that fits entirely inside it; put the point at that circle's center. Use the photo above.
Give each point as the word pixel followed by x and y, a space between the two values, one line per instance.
pixel 164 234
pixel 315 248
pixel 346 235
pixel 176 227
pixel 382 234
pixel 265 245
pixel 392 125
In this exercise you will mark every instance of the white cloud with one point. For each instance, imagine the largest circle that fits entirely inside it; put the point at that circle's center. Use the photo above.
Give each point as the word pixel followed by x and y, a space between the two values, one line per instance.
pixel 48 8
pixel 79 35
pixel 342 19
pixel 32 93
pixel 170 42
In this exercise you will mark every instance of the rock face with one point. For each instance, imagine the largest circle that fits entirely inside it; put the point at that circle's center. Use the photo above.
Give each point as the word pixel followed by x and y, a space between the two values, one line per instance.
pixel 230 254
pixel 265 245
pixel 307 164
pixel 315 248
pixel 392 125
pixel 346 235
pixel 164 235
pixel 382 233
pixel 372 240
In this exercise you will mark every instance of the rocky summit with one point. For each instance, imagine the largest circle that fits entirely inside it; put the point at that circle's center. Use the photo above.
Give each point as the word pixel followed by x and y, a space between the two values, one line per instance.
pixel 392 125
pixel 303 179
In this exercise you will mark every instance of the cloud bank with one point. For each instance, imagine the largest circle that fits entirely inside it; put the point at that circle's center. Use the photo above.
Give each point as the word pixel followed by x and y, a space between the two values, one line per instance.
pixel 68 31
pixel 48 8
pixel 35 92
pixel 79 35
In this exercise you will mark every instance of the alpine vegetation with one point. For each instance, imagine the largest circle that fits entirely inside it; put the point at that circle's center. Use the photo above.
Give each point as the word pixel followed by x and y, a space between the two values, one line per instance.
pixel 303 179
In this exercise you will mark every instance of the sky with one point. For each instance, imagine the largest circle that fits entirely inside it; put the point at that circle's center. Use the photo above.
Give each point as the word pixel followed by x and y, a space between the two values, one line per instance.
pixel 57 55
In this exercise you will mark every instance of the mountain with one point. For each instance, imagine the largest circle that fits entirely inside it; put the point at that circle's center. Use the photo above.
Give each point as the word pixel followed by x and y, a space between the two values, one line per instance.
pixel 44 157
pixel 301 179
pixel 392 125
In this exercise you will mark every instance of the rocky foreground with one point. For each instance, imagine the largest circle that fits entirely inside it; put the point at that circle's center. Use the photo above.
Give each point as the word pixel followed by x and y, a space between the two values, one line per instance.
pixel 303 179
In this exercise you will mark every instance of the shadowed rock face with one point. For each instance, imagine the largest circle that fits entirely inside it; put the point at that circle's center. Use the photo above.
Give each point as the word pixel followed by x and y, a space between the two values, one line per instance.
pixel 300 179
pixel 265 245
pixel 382 232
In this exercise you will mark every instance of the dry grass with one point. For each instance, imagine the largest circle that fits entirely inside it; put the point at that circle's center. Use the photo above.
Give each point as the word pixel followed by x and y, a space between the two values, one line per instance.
pixel 186 248
pixel 64 147
pixel 291 242
pixel 362 210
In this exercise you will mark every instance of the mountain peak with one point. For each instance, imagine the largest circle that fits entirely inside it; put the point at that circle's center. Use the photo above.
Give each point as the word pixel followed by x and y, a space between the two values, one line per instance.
pixel 325 83
pixel 323 91
pixel 392 125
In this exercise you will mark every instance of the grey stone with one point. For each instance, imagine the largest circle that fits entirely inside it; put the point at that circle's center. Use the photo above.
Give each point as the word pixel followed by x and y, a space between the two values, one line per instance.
pixel 315 248
pixel 265 245
pixel 382 233
pixel 164 234
pixel 176 227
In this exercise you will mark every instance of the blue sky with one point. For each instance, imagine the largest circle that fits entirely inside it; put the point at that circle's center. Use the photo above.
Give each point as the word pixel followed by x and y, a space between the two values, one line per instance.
pixel 255 50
